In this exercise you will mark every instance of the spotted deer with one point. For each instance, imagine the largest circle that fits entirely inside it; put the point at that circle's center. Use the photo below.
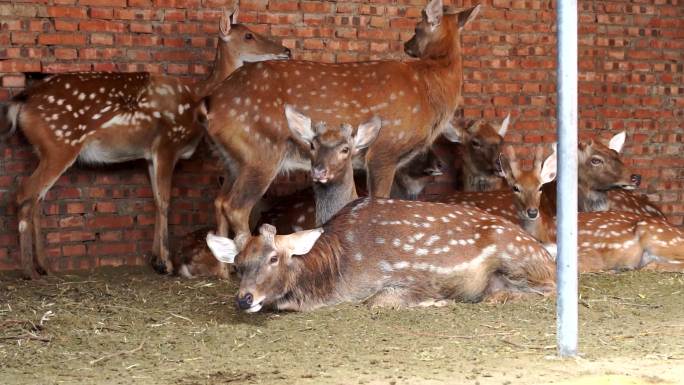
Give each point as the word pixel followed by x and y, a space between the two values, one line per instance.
pixel 605 183
pixel 607 241
pixel 296 212
pixel 101 118
pixel 416 99
pixel 388 252
pixel 481 142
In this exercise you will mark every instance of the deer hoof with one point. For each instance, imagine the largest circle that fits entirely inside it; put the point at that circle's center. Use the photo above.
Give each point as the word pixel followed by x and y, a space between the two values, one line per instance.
pixel 160 267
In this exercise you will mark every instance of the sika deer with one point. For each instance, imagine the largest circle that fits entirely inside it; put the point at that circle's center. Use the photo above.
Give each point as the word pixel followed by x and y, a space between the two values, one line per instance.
pixel 603 179
pixel 416 100
pixel 116 117
pixel 388 253
pixel 607 240
pixel 297 211
pixel 481 147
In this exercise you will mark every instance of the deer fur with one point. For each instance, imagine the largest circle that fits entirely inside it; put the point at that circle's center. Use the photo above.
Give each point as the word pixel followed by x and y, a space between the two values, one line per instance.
pixel 415 99
pixel 388 253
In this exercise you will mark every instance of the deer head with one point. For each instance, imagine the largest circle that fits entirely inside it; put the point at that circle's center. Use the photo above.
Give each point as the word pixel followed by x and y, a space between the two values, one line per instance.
pixel 331 150
pixel 527 185
pixel 601 167
pixel 482 145
pixel 238 45
pixel 267 265
pixel 431 38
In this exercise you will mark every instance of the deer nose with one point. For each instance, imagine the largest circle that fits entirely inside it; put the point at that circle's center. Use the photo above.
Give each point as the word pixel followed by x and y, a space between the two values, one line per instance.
pixel 288 52
pixel 245 302
pixel 319 174
pixel 636 179
pixel 532 213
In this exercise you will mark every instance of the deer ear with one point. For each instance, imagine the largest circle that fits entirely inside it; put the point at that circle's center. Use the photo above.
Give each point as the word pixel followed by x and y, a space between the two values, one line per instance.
pixel 453 133
pixel 505 167
pixel 234 16
pixel 434 12
pixel 548 169
pixel 298 243
pixel 224 25
pixel 504 126
pixel 299 124
pixel 466 16
pixel 224 249
pixel 367 133
pixel 617 141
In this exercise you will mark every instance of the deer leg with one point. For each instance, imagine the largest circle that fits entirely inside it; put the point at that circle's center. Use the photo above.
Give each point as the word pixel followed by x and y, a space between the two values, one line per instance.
pixel 163 163
pixel 380 177
pixel 221 219
pixel 29 197
pixel 249 186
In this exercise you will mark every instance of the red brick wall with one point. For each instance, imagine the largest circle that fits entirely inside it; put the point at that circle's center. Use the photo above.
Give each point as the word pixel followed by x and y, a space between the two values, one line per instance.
pixel 631 77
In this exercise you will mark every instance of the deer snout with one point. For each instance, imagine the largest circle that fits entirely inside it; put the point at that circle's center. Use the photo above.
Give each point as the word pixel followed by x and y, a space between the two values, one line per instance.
pixel 320 175
pixel 532 213
pixel 635 179
pixel 244 302
pixel 408 48
pixel 288 52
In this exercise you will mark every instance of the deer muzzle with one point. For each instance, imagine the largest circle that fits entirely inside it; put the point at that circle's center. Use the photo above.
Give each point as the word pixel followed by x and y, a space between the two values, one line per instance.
pixel 320 175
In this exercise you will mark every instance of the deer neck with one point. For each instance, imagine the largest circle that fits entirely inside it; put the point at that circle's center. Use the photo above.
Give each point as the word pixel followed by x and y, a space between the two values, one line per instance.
pixel 590 200
pixel 225 63
pixel 314 279
pixel 442 78
pixel 331 197
pixel 540 228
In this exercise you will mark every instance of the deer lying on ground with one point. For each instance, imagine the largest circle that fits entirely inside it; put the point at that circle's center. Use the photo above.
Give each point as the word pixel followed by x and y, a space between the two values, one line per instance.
pixel 116 117
pixel 604 184
pixel 607 241
pixel 294 213
pixel 481 142
pixel 388 253
pixel 416 99
pixel 331 150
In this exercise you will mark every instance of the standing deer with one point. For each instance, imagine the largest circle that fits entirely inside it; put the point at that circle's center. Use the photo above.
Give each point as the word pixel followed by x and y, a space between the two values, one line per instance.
pixel 609 240
pixel 388 253
pixel 116 117
pixel 481 147
pixel 416 100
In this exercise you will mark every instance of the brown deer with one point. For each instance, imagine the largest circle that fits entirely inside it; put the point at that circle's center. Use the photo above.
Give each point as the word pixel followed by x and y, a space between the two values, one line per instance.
pixel 607 241
pixel 416 99
pixel 604 181
pixel 296 212
pixel 481 142
pixel 115 117
pixel 604 184
pixel 388 253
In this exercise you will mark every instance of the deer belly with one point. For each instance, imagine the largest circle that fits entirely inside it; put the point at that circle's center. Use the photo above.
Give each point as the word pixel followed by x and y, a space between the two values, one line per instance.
pixel 98 152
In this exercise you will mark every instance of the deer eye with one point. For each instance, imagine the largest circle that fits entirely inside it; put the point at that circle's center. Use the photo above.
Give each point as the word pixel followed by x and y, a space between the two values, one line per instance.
pixel 249 36
pixel 476 143
pixel 516 189
pixel 273 259
pixel 596 161
pixel 345 150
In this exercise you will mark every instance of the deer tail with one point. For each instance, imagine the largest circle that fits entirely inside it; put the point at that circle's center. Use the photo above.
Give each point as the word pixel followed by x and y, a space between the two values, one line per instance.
pixel 9 115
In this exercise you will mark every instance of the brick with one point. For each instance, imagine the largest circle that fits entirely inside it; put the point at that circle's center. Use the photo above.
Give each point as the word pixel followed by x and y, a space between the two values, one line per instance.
pixel 109 222
pixel 61 39
pixel 67 12
pixel 104 3
pixel 23 38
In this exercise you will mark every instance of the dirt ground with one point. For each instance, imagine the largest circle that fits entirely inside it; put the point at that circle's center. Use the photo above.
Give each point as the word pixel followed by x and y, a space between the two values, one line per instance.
pixel 129 325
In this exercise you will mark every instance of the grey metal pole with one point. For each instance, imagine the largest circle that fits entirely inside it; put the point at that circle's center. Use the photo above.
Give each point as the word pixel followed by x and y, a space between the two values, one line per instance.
pixel 567 315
